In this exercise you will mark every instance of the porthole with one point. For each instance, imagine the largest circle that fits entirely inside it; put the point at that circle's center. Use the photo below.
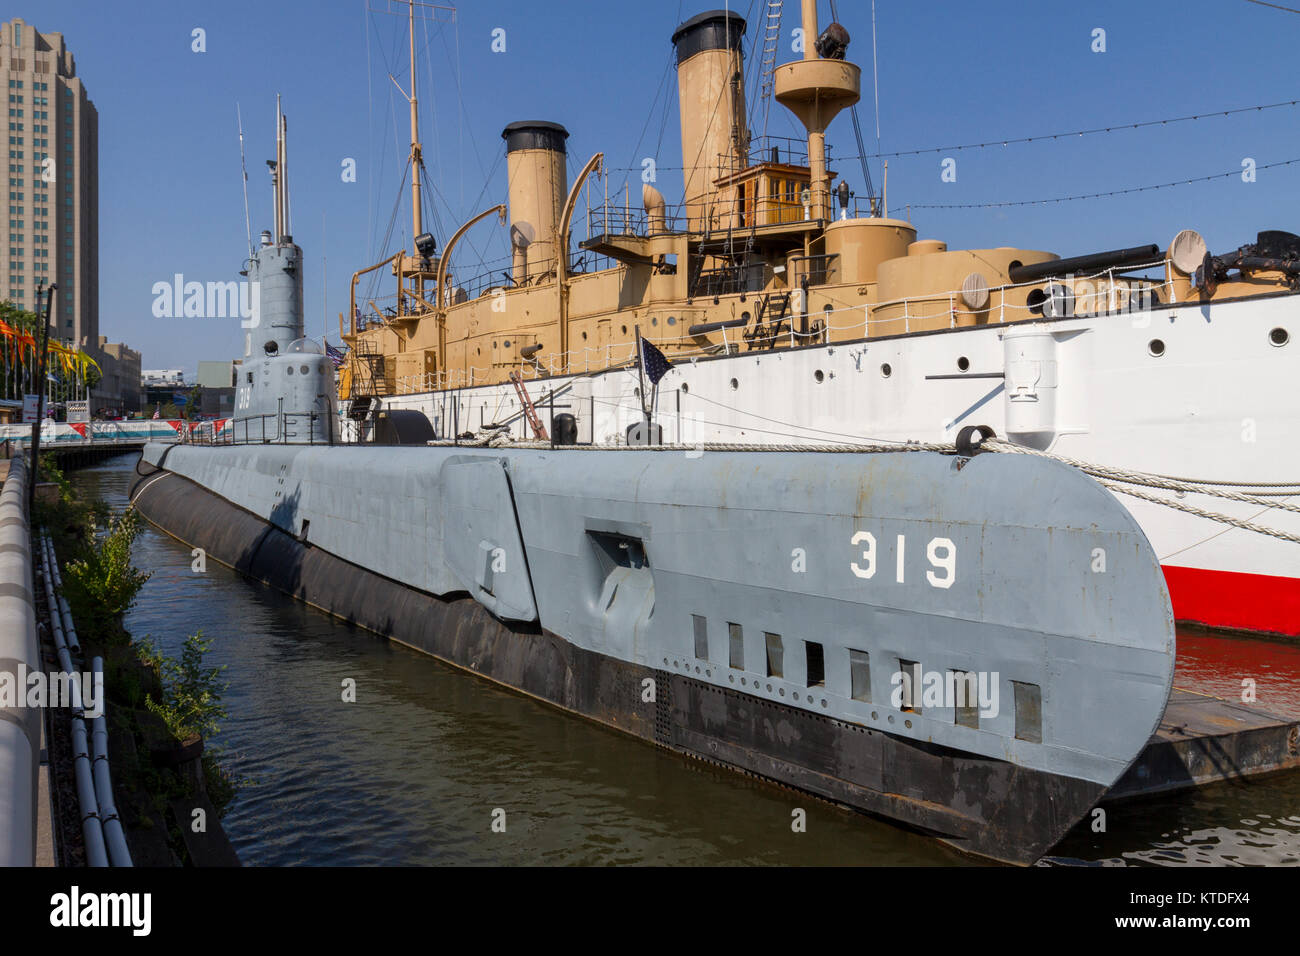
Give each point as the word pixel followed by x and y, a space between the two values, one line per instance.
pixel 819 376
pixel 907 723
pixel 584 336
pixel 685 387
pixel 1279 337
pixel 654 320
pixel 963 364
pixel 744 316
pixel 303 370
pixel 734 384
pixel 886 370
pixel 288 370
pixel 1156 347
pixel 625 330
pixel 505 344
pixel 672 320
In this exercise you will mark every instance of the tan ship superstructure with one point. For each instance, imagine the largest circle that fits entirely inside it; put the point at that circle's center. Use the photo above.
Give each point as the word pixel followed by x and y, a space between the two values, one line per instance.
pixel 762 253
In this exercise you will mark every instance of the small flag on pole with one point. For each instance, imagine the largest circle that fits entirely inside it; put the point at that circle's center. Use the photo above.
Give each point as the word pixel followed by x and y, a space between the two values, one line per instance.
pixel 157 411
pixel 653 362
pixel 337 356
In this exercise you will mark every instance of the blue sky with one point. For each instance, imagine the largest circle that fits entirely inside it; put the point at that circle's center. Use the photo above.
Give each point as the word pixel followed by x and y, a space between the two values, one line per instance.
pixel 950 72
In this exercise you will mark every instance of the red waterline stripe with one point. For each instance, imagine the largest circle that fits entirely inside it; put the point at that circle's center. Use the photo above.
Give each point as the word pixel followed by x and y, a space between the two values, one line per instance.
pixel 1231 599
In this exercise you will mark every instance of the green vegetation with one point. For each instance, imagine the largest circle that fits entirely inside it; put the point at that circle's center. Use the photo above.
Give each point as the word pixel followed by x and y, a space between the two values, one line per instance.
pixel 101 583
pixel 191 703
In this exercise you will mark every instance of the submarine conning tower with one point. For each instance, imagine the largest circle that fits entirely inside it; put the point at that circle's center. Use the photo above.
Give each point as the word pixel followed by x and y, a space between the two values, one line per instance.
pixel 711 101
pixel 285 391
pixel 275 279
pixel 538 178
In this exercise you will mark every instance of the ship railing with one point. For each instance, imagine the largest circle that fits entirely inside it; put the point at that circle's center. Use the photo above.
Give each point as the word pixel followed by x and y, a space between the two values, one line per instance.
pixel 1113 291
pixel 784 150
pixel 1117 294
pixel 276 428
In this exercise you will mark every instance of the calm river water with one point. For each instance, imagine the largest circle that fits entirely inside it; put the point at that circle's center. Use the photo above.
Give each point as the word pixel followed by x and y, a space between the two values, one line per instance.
pixel 412 773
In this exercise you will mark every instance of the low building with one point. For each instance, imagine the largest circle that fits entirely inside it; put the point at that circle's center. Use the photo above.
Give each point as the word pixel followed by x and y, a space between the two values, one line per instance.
pixel 118 391
pixel 163 376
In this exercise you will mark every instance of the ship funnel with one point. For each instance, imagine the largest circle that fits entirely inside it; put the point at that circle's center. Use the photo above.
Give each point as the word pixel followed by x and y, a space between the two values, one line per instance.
pixel 711 100
pixel 539 184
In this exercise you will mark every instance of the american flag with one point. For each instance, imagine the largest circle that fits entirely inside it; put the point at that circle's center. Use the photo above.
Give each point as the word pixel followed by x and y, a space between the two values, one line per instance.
pixel 337 356
pixel 653 362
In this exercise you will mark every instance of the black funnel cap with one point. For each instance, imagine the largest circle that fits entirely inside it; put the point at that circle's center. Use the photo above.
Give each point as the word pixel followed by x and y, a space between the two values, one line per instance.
pixel 715 30
pixel 535 134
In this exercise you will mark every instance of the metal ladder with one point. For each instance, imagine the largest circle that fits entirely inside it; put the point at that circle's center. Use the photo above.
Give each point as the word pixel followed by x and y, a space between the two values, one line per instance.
pixel 526 403
pixel 767 66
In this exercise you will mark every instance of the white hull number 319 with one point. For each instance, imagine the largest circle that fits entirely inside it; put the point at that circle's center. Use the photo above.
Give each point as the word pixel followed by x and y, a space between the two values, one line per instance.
pixel 941 552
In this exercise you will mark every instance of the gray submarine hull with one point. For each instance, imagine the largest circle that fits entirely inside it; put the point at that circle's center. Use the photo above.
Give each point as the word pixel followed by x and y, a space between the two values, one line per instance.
pixel 752 609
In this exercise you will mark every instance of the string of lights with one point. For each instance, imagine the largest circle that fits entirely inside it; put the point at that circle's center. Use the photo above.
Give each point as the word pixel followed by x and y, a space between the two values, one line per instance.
pixel 1083 132
pixel 1020 140
pixel 1275 6
pixel 1098 195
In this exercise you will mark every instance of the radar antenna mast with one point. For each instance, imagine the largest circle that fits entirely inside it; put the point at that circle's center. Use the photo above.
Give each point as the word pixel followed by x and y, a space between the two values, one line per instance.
pixel 243 166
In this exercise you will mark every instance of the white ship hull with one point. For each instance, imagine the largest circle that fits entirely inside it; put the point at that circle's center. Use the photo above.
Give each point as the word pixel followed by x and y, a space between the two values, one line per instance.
pixel 1219 404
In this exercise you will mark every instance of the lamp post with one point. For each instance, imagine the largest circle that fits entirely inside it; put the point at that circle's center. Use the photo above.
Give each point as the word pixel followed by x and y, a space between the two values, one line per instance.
pixel 40 393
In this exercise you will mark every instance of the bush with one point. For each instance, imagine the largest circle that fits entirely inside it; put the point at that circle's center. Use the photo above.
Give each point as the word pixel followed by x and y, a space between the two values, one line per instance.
pixel 191 701
pixel 101 584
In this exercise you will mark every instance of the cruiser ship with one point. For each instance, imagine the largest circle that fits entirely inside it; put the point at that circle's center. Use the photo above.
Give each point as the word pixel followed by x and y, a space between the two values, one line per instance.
pixel 793 314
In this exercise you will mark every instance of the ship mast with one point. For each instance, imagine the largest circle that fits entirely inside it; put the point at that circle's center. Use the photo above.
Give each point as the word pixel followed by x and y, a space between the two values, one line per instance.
pixel 417 226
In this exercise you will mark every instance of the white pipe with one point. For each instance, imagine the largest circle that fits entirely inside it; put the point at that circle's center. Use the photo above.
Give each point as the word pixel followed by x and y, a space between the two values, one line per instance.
pixel 19 739
pixel 65 612
pixel 118 852
pixel 92 828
